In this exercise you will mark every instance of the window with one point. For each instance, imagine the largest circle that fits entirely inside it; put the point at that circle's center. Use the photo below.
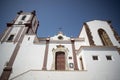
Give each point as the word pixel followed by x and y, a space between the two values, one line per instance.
pixel 28 38
pixel 11 37
pixel 70 57
pixel 23 18
pixel 95 57
pixel 104 38
pixel 108 57
pixel 60 37
pixel 81 63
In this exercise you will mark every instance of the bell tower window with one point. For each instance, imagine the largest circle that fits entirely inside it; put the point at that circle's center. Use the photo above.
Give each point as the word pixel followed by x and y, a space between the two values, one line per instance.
pixel 23 18
pixel 104 38
pixel 11 37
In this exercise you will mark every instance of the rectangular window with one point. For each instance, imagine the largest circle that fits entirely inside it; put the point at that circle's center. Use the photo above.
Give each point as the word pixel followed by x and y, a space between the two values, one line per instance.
pixel 70 57
pixel 109 57
pixel 81 63
pixel 11 37
pixel 95 57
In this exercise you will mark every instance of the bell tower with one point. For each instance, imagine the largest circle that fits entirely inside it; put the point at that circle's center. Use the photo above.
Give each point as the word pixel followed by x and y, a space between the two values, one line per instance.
pixel 24 23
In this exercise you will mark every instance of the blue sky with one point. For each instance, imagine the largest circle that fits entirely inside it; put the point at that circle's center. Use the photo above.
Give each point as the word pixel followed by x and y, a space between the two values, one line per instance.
pixel 66 14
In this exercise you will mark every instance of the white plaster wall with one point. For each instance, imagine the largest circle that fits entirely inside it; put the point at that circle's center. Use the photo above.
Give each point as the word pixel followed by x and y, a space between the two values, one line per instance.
pixel 6 50
pixel 84 35
pixel 65 75
pixel 30 56
pixel 78 44
pixel 33 26
pixel 50 56
pixel 97 24
pixel 101 67
pixel 15 30
pixel 28 39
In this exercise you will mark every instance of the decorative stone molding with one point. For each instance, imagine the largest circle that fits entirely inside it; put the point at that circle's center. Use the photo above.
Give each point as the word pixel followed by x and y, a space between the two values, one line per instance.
pixel 90 38
pixel 118 50
pixel 46 54
pixel 115 33
pixel 74 55
pixel 60 48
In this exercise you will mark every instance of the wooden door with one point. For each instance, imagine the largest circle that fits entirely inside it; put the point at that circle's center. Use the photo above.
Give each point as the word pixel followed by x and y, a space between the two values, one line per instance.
pixel 60 61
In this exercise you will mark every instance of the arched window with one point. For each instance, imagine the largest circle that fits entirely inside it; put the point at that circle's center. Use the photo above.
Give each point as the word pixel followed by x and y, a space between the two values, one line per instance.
pixel 104 38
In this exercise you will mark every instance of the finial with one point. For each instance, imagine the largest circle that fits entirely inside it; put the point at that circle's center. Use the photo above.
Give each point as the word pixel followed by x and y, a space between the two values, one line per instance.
pixel 33 12
pixel 60 30
pixel 20 12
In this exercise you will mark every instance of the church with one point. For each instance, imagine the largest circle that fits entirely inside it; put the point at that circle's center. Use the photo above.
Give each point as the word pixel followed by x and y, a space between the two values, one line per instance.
pixel 93 55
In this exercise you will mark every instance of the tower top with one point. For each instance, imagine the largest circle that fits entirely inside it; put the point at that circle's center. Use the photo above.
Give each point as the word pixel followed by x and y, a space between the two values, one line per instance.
pixel 21 12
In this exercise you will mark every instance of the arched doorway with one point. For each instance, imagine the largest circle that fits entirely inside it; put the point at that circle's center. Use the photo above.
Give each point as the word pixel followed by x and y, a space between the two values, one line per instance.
pixel 104 38
pixel 60 61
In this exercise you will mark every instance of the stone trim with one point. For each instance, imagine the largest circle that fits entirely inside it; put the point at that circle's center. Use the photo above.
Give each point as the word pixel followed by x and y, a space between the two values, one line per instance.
pixel 30 25
pixel 46 55
pixel 5 75
pixel 7 70
pixel 6 34
pixel 23 34
pixel 111 48
pixel 9 24
pixel 18 35
pixel 74 55
pixel 118 50
pixel 115 33
pixel 90 38
pixel 60 48
pixel 15 19
pixel 2 35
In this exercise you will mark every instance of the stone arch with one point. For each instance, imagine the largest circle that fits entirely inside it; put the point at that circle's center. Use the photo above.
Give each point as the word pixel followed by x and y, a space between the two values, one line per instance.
pixel 61 52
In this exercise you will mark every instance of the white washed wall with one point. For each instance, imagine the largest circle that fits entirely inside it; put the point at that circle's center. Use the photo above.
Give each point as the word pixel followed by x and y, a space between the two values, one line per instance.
pixel 102 65
pixel 65 75
pixel 30 56
pixel 6 50
pixel 95 25
pixel 84 35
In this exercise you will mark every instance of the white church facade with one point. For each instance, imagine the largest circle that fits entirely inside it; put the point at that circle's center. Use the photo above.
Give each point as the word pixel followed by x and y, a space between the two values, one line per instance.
pixel 93 55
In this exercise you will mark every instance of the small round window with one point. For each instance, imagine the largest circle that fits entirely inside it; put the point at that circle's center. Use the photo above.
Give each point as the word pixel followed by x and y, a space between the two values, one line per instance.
pixel 60 37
